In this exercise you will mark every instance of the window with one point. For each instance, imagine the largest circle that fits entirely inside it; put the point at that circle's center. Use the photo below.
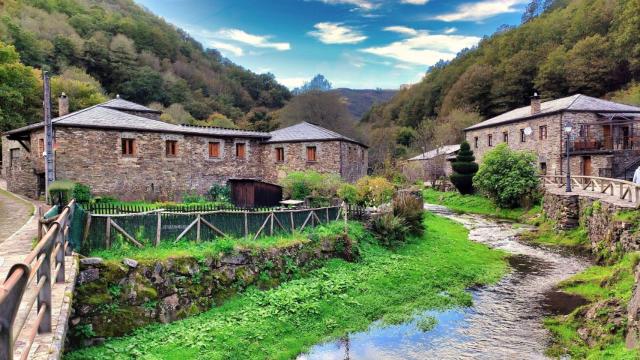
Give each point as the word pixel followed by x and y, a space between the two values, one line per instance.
pixel 543 132
pixel 311 153
pixel 41 147
pixel 543 168
pixel 490 139
pixel 241 152
pixel 475 142
pixel 128 147
pixel 523 136
pixel 171 148
pixel 214 150
pixel 505 136
pixel 279 154
pixel 584 131
pixel 14 156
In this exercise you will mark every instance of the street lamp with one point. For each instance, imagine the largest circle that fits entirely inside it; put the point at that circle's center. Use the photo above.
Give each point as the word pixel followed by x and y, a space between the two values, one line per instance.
pixel 567 130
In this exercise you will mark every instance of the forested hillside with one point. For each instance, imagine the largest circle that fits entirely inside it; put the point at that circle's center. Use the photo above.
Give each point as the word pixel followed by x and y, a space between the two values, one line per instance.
pixel 106 47
pixel 563 47
pixel 359 101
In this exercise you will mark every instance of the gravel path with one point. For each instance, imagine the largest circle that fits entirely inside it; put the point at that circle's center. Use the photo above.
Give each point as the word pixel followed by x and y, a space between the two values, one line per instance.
pixel 14 213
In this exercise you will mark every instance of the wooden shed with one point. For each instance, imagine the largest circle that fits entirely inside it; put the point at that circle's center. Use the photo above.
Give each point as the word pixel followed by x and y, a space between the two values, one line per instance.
pixel 254 193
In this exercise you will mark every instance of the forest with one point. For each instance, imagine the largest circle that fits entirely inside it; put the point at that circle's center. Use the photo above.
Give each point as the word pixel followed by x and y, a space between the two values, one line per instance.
pixel 97 48
pixel 562 47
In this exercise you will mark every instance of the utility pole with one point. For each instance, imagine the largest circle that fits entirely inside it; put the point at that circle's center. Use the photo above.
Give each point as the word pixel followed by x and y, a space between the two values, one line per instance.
pixel 49 161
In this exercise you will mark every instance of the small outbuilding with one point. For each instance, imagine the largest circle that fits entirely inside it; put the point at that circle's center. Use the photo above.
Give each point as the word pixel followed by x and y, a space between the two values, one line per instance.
pixel 250 193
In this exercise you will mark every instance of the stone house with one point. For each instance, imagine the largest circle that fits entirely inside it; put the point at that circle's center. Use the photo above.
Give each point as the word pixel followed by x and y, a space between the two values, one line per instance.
pixel 433 164
pixel 604 141
pixel 122 149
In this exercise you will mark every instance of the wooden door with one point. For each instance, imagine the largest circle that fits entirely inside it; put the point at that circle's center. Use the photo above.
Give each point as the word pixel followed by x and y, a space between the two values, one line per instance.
pixel 586 166
pixel 606 137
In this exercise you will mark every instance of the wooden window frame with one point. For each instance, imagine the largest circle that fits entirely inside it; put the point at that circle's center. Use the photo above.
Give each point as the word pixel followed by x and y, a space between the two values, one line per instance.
pixel 475 142
pixel 214 154
pixel 14 156
pixel 490 139
pixel 171 148
pixel 312 153
pixel 241 154
pixel 543 132
pixel 279 153
pixel 523 136
pixel 128 147
pixel 505 137
pixel 41 147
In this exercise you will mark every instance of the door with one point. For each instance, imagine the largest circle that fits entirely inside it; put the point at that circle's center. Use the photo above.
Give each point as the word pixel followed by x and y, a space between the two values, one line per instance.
pixel 606 137
pixel 586 165
pixel 625 137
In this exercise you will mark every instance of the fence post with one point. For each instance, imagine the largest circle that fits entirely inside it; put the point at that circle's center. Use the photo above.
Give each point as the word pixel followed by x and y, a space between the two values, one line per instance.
pixel 293 224
pixel 271 225
pixel 198 229
pixel 9 309
pixel 44 296
pixel 158 230
pixel 63 232
pixel 108 234
pixel 246 224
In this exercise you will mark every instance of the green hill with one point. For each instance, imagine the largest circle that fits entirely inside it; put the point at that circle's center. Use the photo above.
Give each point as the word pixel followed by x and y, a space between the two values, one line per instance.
pixel 117 47
pixel 574 46
pixel 359 101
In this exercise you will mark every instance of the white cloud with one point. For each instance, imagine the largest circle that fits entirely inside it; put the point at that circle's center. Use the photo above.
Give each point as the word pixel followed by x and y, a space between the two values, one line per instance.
pixel 292 82
pixel 450 30
pixel 414 2
pixel 401 30
pixel 424 48
pixel 261 41
pixel 224 47
pixel 481 10
pixel 336 33
pixel 360 4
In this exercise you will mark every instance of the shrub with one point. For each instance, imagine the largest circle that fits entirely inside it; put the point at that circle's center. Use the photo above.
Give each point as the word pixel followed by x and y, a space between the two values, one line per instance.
pixel 374 191
pixel 464 168
pixel 508 177
pixel 411 209
pixel 193 198
pixel 61 191
pixel 348 193
pixel 221 193
pixel 82 193
pixel 390 230
pixel 302 184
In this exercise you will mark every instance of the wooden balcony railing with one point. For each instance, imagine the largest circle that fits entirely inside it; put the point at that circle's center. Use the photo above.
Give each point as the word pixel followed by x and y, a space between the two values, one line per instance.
pixel 606 144
pixel 37 266
pixel 621 189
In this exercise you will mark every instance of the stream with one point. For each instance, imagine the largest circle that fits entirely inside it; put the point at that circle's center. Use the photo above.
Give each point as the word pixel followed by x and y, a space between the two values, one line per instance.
pixel 505 321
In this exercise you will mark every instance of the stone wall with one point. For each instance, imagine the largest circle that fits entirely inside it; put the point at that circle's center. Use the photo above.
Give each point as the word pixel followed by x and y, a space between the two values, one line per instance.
pixel 354 161
pixel 21 172
pixel 112 298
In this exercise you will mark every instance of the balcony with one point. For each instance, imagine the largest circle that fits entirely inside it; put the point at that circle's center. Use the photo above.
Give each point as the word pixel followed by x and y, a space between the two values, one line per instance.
pixel 601 144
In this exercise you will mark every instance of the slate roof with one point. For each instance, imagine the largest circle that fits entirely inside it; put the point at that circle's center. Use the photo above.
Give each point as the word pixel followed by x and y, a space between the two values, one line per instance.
pixel 120 104
pixel 305 131
pixel 446 150
pixel 576 103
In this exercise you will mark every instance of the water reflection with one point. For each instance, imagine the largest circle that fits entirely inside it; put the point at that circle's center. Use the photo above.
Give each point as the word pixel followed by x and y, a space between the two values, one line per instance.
pixel 504 322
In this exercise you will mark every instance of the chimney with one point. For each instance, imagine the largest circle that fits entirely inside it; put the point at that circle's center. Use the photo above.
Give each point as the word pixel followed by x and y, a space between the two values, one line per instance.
pixel 63 105
pixel 535 104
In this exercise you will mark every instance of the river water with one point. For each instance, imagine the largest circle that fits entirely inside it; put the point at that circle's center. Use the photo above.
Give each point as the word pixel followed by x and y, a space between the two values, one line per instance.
pixel 505 321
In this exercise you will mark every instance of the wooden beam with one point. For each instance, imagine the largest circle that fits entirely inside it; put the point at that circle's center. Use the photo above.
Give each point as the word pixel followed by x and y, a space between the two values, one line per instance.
pixel 108 234
pixel 21 142
pixel 129 237
pixel 279 223
pixel 305 222
pixel 262 227
pixel 183 233
pixel 212 227
pixel 158 229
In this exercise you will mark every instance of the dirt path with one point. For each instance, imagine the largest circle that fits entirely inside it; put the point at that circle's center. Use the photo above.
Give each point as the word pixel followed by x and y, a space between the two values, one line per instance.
pixel 14 213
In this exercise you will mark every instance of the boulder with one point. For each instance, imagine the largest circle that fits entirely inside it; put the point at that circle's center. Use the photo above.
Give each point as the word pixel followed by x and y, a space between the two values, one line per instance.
pixel 88 275
pixel 91 261
pixel 130 263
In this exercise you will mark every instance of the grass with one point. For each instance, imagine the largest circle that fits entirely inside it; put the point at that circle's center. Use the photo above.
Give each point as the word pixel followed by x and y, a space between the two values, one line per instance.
pixel 476 204
pixel 595 284
pixel 168 249
pixel 431 272
pixel 545 234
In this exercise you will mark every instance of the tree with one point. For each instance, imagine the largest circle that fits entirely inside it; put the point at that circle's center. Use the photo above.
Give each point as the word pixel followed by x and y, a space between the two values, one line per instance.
pixel 590 66
pixel 551 81
pixel 464 169
pixel 219 120
pixel 318 83
pixel 19 91
pixel 508 177
pixel 260 119
pixel 81 89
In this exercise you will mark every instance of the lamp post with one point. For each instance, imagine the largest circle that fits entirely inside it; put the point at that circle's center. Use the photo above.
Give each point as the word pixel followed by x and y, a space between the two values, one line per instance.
pixel 567 129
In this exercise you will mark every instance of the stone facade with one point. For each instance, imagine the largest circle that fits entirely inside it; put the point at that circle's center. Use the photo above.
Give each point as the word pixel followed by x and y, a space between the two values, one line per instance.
pixel 94 157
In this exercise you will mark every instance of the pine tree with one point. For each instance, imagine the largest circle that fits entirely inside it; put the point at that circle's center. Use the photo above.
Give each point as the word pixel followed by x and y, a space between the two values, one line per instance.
pixel 464 168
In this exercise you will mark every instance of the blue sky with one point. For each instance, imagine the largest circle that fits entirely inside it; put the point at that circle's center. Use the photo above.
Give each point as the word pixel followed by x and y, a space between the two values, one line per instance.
pixel 354 43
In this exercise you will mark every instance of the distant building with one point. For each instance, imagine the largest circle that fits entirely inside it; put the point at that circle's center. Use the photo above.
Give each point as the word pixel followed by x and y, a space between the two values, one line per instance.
pixel 605 140
pixel 121 149
pixel 435 163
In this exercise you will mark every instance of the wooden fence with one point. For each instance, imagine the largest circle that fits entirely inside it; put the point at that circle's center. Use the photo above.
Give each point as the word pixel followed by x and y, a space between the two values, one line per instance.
pixel 620 189
pixel 44 265
pixel 149 228
pixel 109 208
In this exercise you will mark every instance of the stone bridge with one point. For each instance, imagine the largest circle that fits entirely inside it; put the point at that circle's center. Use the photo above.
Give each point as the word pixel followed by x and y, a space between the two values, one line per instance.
pixel 33 273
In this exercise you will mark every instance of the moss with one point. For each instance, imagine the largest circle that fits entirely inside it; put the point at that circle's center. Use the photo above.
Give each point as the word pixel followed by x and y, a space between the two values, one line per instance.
pixel 191 310
pixel 122 321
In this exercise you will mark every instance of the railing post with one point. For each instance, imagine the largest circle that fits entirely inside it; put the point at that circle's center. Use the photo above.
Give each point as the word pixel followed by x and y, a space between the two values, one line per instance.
pixel 44 296
pixel 9 309
pixel 246 224
pixel 61 238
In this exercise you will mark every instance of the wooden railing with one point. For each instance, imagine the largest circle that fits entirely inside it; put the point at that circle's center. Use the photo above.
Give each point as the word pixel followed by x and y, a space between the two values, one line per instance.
pixel 621 189
pixel 44 265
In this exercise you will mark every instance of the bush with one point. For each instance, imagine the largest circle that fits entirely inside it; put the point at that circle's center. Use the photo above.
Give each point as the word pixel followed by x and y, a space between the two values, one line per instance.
pixel 390 230
pixel 82 193
pixel 221 193
pixel 61 191
pixel 508 177
pixel 374 191
pixel 411 209
pixel 348 193
pixel 464 168
pixel 303 184
pixel 193 198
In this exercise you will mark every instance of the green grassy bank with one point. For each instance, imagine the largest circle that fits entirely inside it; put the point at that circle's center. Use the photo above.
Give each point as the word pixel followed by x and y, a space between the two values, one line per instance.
pixel 431 272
